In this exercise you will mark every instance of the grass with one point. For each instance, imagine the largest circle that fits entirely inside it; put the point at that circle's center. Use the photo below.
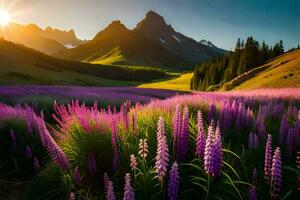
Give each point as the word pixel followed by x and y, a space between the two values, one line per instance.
pixel 283 71
pixel 181 83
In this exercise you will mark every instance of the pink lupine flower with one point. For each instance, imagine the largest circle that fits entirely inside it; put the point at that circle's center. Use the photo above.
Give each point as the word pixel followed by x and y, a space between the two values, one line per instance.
pixel 176 123
pixel 183 136
pixel 133 163
pixel 128 190
pixel 162 156
pixel 209 151
pixel 110 195
pixel 106 183
pixel 72 196
pixel 218 158
pixel 173 184
pixel 143 148
pixel 268 159
pixel 276 173
pixel 201 137
pixel 77 176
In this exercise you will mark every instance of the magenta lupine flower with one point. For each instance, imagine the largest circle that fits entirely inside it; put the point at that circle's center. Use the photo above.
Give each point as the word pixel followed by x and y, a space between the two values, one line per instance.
pixel 72 196
pixel 13 138
pixel 252 190
pixel 268 159
pixel 162 155
pixel 92 166
pixel 114 130
pixel 218 157
pixel 128 190
pixel 209 151
pixel 184 135
pixel 173 184
pixel 133 163
pixel 77 176
pixel 28 152
pixel 110 195
pixel 201 137
pixel 276 172
pixel 176 123
pixel 36 164
pixel 143 148
pixel 106 183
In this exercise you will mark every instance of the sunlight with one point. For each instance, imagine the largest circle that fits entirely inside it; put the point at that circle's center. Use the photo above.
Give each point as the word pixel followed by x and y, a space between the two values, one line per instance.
pixel 4 17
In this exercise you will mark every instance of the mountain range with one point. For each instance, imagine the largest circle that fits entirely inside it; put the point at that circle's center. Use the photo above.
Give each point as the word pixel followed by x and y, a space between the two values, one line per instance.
pixel 47 40
pixel 151 43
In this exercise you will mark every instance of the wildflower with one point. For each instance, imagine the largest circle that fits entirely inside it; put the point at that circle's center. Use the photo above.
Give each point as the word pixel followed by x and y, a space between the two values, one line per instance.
pixel 143 148
pixel 133 163
pixel 110 195
pixel 276 172
pixel 72 196
pixel 209 151
pixel 184 135
pixel 201 137
pixel 92 166
pixel 176 123
pixel 106 183
pixel 217 152
pixel 162 156
pixel 252 190
pixel 77 176
pixel 268 158
pixel 173 184
pixel 128 190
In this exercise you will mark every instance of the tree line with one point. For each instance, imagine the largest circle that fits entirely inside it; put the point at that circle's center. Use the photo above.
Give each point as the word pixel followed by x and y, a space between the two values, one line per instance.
pixel 247 55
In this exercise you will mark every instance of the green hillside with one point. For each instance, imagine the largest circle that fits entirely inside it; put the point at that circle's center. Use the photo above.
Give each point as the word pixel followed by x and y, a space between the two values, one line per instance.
pixel 22 65
pixel 282 71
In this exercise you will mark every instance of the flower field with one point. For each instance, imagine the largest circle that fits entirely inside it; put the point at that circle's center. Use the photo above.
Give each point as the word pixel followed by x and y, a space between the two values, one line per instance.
pixel 223 145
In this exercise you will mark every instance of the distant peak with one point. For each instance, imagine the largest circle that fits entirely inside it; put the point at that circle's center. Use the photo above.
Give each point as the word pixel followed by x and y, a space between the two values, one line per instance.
pixel 151 20
pixel 114 27
pixel 153 14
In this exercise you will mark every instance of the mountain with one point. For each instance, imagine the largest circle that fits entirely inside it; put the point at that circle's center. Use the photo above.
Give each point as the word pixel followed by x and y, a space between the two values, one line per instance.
pixel 211 45
pixel 22 65
pixel 48 41
pixel 282 71
pixel 152 43
pixel 118 45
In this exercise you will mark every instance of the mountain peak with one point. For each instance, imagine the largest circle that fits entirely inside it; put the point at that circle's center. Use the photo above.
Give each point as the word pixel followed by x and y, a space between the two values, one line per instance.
pixel 115 27
pixel 152 14
pixel 152 20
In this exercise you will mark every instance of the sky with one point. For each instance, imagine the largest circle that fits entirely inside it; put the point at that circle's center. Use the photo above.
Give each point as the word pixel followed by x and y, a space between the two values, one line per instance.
pixel 219 21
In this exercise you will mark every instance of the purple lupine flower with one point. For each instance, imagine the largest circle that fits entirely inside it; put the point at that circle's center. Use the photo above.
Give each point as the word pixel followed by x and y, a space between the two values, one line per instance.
pixel 218 157
pixel 276 173
pixel 283 129
pixel 162 155
pixel 268 159
pixel 128 190
pixel 201 137
pixel 77 176
pixel 252 190
pixel 28 152
pixel 253 141
pixel 173 184
pixel 176 123
pixel 61 158
pixel 106 183
pixel 211 112
pixel 72 196
pixel 13 138
pixel 92 166
pixel 143 148
pixel 133 163
pixel 209 151
pixel 290 141
pixel 184 135
pixel 36 164
pixel 110 195
pixel 114 130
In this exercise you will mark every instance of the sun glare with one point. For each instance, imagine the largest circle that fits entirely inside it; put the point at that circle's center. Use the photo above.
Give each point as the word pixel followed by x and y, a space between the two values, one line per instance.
pixel 4 17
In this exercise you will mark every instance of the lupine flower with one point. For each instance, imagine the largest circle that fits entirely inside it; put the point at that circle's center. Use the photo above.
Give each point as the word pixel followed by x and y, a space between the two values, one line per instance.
pixel 77 176
pixel 128 190
pixel 92 166
pixel 114 130
pixel 173 184
pixel 13 138
pixel 28 152
pixel 176 123
pixel 110 195
pixel 276 172
pixel 72 196
pixel 209 150
pixel 201 137
pixel 143 148
pixel 253 141
pixel 252 190
pixel 211 112
pixel 283 129
pixel 162 156
pixel 106 183
pixel 217 152
pixel 290 141
pixel 133 163
pixel 268 159
pixel 298 164
pixel 183 139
